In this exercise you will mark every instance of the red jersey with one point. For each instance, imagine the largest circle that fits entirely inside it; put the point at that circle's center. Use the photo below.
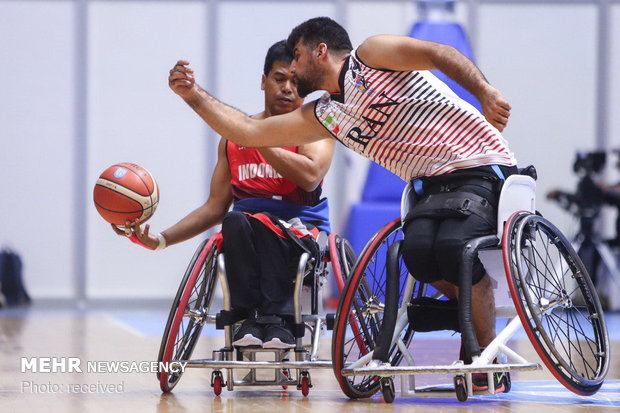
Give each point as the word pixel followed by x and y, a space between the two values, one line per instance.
pixel 253 177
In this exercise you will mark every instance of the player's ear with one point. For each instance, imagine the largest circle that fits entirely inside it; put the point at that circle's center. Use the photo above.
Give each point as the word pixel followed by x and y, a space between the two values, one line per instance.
pixel 321 51
pixel 262 82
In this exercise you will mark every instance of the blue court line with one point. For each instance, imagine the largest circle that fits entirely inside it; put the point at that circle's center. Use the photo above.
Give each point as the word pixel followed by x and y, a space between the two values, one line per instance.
pixel 547 392
pixel 555 393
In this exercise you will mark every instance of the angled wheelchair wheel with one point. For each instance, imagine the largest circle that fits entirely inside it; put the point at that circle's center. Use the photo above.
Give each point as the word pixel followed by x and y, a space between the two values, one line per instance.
pixel 557 302
pixel 188 313
pixel 360 312
pixel 342 258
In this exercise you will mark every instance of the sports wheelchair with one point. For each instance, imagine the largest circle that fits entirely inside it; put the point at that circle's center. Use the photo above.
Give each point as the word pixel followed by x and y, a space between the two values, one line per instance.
pixel 192 308
pixel 539 283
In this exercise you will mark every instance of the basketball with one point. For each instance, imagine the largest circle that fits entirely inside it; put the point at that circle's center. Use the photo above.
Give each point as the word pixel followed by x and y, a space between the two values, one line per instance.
pixel 126 192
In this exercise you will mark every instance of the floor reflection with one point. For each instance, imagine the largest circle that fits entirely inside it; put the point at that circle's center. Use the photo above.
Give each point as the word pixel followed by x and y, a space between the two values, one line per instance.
pixel 133 336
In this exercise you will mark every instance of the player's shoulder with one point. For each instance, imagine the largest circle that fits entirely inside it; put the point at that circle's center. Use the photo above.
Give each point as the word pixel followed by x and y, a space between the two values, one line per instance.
pixel 376 51
pixel 370 47
pixel 320 106
pixel 311 109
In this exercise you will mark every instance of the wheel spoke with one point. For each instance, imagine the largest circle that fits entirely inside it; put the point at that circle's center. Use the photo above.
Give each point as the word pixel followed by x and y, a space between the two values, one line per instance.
pixel 539 272
pixel 592 351
pixel 547 268
pixel 546 246
pixel 558 330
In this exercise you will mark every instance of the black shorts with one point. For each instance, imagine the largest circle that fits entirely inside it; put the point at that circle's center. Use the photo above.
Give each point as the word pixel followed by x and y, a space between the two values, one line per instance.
pixel 260 266
pixel 433 246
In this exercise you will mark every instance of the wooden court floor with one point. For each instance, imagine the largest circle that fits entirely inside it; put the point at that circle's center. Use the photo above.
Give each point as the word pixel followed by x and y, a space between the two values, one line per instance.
pixel 134 335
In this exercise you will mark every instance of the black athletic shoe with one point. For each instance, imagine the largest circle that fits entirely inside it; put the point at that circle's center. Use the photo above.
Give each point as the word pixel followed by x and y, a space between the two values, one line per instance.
pixel 278 336
pixel 248 334
pixel 480 382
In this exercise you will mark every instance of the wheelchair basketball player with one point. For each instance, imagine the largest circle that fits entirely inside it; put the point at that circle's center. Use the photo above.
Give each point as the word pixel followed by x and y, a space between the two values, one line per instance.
pixel 277 211
pixel 384 104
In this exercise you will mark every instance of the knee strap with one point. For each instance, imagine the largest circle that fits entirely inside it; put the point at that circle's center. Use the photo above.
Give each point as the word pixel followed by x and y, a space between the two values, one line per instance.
pixel 269 319
pixel 453 205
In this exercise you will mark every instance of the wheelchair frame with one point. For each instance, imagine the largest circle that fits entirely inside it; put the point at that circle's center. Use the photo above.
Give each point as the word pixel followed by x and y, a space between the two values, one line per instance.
pixel 517 195
pixel 306 356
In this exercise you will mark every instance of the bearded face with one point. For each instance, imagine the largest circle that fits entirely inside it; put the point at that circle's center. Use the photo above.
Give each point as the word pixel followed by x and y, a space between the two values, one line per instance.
pixel 308 74
pixel 309 80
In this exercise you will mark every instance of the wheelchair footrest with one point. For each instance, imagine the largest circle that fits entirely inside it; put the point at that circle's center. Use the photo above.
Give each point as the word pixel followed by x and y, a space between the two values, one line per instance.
pixel 225 318
pixel 299 330
pixel 453 369
pixel 227 364
pixel 330 321
pixel 428 314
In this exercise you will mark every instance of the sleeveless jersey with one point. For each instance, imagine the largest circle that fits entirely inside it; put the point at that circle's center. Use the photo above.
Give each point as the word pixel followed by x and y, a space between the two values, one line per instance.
pixel 253 177
pixel 409 122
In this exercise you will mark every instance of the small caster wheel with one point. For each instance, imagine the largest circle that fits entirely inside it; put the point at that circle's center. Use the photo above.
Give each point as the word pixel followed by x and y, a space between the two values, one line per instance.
pixel 286 373
pixel 460 387
pixel 217 382
pixel 305 385
pixel 387 389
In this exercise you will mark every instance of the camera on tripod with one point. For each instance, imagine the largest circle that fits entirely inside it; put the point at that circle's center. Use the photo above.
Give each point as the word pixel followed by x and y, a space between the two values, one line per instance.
pixel 586 203
pixel 589 197
pixel 589 163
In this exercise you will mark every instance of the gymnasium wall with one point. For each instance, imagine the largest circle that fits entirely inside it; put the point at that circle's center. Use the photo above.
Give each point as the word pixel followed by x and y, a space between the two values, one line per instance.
pixel 85 87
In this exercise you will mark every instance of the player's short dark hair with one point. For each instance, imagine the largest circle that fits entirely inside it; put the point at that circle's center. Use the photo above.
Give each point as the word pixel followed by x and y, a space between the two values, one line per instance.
pixel 321 30
pixel 278 52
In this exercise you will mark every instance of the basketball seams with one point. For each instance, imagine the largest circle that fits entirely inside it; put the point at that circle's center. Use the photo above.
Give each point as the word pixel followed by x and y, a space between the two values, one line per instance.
pixel 117 212
pixel 150 193
pixel 142 209
pixel 153 203
pixel 128 167
pixel 123 190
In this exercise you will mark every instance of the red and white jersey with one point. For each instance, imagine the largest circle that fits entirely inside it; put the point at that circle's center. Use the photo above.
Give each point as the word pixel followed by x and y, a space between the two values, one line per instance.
pixel 253 177
pixel 409 122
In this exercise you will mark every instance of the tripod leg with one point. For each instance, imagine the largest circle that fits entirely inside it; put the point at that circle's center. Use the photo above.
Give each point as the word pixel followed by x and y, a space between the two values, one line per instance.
pixel 609 260
pixel 589 255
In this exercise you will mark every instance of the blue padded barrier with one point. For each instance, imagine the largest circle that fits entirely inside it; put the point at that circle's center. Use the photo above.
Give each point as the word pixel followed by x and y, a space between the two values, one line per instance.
pixel 452 34
pixel 366 218
pixel 382 185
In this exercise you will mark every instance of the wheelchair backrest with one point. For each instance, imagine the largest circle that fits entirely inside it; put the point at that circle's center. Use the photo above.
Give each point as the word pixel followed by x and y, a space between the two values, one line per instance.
pixel 406 201
pixel 518 194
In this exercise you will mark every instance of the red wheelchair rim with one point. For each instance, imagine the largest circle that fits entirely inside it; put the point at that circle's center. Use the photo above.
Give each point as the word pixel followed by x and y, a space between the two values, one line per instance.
pixel 180 310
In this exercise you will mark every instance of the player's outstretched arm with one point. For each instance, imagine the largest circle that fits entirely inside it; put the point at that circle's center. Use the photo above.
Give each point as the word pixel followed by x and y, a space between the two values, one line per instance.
pixel 199 220
pixel 291 129
pixel 307 167
pixel 406 53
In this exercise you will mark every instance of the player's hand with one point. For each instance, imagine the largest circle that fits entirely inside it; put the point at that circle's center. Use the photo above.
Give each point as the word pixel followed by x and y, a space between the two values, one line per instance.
pixel 181 80
pixel 144 236
pixel 495 108
pixel 123 231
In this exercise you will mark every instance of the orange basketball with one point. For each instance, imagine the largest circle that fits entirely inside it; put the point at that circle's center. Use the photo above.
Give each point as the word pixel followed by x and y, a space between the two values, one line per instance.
pixel 126 192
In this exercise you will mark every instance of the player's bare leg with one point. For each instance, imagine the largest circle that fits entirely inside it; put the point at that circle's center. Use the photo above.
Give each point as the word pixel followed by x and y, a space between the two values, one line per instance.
pixel 483 307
